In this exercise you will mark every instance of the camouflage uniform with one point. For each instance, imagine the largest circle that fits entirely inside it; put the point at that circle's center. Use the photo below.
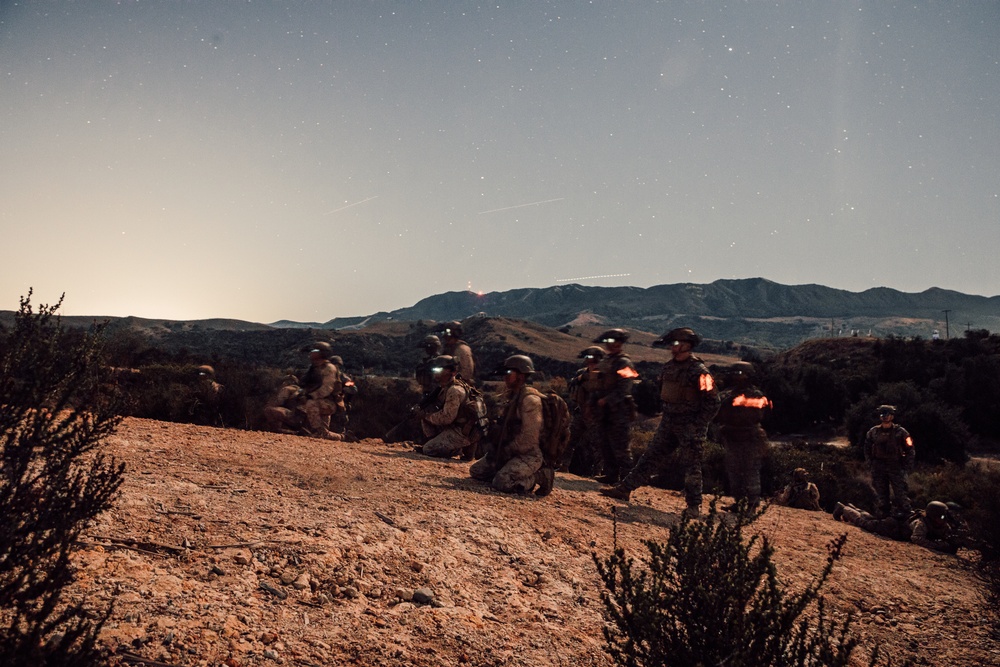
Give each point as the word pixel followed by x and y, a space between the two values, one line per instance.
pixel 745 441
pixel 617 377
pixel 207 397
pixel 324 398
pixel 584 455
pixel 512 466
pixel 442 423
pixel 690 401
pixel 801 493
pixel 283 414
pixel 889 453
pixel 893 527
pixel 917 528
pixel 466 363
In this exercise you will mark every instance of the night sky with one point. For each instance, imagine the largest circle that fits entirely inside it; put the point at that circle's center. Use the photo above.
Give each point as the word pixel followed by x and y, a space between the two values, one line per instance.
pixel 304 161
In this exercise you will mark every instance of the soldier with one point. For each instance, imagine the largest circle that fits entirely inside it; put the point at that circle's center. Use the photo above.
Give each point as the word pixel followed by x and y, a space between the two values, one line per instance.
pixel 283 413
pixel 690 401
pixel 741 410
pixel 442 421
pixel 409 428
pixel 454 346
pixel 431 345
pixel 583 454
pixel 889 454
pixel 801 493
pixel 207 397
pixel 513 463
pixel 614 406
pixel 323 392
pixel 932 528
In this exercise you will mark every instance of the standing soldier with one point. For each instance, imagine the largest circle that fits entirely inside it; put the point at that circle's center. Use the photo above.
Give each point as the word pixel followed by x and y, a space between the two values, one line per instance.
pixel 690 401
pixel 323 392
pixel 583 454
pixel 442 421
pixel 454 346
pixel 889 454
pixel 513 463
pixel 431 345
pixel 741 410
pixel 207 398
pixel 614 405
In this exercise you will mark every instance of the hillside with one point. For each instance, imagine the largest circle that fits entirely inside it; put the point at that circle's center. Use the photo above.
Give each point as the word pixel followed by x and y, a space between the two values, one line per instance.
pixel 247 548
pixel 752 311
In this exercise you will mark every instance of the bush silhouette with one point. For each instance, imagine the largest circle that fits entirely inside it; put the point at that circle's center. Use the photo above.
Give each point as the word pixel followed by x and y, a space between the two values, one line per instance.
pixel 707 596
pixel 53 481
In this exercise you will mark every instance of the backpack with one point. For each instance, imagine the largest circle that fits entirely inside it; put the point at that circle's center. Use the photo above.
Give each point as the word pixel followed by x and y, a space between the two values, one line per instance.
pixel 555 428
pixel 473 412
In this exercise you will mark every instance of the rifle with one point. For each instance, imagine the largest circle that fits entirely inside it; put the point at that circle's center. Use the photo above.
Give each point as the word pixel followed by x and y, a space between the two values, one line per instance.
pixel 428 399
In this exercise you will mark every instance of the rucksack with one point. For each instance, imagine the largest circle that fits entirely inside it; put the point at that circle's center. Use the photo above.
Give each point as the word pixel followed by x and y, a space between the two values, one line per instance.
pixel 556 419
pixel 473 412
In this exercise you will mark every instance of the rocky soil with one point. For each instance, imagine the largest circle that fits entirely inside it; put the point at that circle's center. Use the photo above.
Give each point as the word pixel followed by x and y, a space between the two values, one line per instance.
pixel 242 548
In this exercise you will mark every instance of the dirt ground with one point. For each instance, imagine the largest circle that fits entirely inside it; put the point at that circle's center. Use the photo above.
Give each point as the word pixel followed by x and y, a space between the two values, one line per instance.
pixel 244 548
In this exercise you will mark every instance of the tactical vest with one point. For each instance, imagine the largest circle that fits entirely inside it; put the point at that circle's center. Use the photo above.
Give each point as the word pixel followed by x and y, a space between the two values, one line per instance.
pixel 888 443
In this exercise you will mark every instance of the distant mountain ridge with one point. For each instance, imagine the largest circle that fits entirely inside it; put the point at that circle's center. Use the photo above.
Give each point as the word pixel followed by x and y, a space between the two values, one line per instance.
pixel 751 311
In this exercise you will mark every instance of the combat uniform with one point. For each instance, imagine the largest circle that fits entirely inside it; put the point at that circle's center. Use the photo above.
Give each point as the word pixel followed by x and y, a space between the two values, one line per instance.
pixel 617 377
pixel 889 453
pixel 800 494
pixel 282 414
pixel 324 394
pixel 915 528
pixel 465 362
pixel 584 455
pixel 690 401
pixel 513 465
pixel 740 413
pixel 442 423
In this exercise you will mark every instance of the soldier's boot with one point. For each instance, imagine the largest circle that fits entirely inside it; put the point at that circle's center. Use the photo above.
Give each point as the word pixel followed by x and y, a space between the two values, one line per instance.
pixel 838 511
pixel 468 452
pixel 618 492
pixel 609 478
pixel 545 478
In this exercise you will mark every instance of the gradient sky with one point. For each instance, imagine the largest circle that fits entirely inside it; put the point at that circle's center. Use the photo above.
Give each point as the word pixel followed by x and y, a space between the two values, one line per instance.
pixel 309 160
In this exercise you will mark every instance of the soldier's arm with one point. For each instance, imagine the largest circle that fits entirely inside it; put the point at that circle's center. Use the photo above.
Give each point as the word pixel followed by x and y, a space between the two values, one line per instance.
pixel 625 377
pixel 330 383
pixel 921 537
pixel 447 414
pixel 708 398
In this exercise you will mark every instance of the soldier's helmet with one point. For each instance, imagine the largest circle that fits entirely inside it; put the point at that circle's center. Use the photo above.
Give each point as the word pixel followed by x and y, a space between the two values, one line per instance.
pixel 612 336
pixel 206 370
pixel 442 362
pixel 323 348
pixel 520 363
pixel 452 329
pixel 430 341
pixel 953 507
pixel 936 510
pixel 800 475
pixel 592 352
pixel 886 410
pixel 337 360
pixel 680 335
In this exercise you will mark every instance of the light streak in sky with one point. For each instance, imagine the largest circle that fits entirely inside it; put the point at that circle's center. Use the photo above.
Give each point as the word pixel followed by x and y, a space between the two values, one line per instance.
pixel 534 203
pixel 337 210
pixel 575 280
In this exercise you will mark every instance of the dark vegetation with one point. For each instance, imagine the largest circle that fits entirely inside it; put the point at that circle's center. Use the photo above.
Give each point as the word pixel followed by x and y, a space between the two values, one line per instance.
pixel 709 595
pixel 53 482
